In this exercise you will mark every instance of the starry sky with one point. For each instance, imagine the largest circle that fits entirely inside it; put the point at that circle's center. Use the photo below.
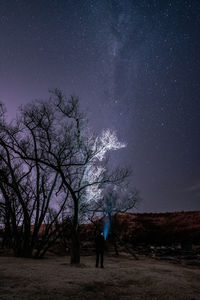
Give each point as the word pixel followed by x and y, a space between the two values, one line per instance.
pixel 135 66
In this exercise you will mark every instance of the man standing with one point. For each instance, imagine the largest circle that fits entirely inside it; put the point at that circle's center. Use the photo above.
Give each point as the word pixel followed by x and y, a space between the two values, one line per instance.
pixel 99 242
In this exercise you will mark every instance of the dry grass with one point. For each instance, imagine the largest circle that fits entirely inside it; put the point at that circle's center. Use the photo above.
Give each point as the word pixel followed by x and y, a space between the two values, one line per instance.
pixel 123 278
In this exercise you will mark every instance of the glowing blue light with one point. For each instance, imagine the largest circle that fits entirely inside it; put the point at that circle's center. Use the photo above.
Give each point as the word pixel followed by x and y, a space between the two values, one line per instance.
pixel 106 228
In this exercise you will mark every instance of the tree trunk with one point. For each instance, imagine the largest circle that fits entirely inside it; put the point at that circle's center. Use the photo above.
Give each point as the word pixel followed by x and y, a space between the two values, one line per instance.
pixel 75 237
pixel 75 247
pixel 27 251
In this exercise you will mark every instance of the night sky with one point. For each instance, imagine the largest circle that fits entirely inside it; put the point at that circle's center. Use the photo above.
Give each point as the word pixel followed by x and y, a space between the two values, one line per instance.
pixel 135 66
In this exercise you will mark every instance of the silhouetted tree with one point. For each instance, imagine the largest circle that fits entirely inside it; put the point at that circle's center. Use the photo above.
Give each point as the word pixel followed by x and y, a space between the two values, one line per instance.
pixel 26 197
pixel 56 151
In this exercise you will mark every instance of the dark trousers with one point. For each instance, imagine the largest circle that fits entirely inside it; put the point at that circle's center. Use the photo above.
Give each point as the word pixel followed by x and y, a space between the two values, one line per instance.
pixel 99 253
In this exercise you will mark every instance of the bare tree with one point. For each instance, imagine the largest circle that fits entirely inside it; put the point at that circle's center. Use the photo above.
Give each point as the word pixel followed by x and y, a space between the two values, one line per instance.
pixel 52 137
pixel 26 191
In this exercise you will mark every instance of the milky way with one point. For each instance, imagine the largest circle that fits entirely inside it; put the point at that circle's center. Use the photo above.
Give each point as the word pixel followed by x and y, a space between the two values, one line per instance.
pixel 135 66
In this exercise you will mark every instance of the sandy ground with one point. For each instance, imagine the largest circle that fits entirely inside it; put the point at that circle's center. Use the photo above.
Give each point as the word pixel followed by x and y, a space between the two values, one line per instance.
pixel 122 278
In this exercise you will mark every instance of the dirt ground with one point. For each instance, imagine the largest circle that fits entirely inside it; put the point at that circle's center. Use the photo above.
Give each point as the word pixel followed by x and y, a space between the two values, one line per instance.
pixel 122 278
